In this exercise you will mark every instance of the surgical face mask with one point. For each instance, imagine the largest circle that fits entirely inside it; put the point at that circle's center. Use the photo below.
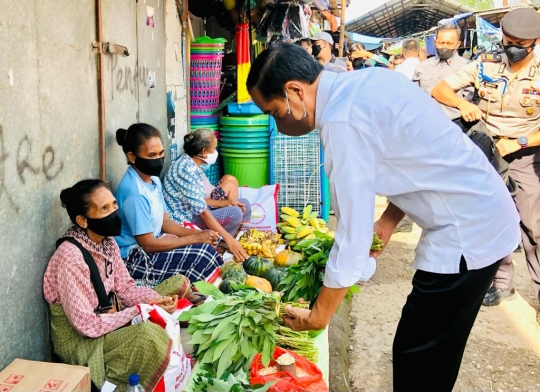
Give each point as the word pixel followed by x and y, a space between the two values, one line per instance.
pixel 150 167
pixel 288 125
pixel 211 158
pixel 516 53
pixel 445 53
pixel 315 50
pixel 109 226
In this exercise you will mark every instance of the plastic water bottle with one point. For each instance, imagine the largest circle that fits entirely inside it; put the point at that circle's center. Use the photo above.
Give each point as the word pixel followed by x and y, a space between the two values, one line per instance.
pixel 134 385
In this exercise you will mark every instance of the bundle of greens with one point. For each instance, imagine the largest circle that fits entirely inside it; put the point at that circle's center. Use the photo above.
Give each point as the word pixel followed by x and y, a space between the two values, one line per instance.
pixel 299 342
pixel 207 381
pixel 304 280
pixel 229 331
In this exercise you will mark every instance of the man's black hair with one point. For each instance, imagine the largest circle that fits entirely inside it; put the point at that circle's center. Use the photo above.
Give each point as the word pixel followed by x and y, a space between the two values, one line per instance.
pixel 279 64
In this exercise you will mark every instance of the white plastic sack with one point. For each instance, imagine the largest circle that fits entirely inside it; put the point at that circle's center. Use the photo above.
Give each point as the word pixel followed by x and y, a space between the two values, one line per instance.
pixel 178 372
pixel 264 207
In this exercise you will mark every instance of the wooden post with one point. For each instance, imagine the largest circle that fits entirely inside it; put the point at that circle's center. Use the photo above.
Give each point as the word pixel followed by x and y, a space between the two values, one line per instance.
pixel 342 27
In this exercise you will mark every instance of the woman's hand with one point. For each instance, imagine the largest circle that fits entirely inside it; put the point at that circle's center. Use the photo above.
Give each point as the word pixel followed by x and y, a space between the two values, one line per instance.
pixel 168 303
pixel 236 249
pixel 209 237
pixel 236 203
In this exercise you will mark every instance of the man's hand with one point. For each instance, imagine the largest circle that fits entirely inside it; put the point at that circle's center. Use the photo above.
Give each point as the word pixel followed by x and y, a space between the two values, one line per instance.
pixel 384 231
pixel 469 111
pixel 299 319
pixel 236 249
pixel 507 146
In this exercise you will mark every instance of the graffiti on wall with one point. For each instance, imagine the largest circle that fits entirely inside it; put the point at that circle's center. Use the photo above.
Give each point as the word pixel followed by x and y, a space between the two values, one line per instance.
pixel 47 165
pixel 125 78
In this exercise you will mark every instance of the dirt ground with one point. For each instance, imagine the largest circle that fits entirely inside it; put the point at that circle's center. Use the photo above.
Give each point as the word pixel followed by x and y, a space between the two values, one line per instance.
pixel 503 352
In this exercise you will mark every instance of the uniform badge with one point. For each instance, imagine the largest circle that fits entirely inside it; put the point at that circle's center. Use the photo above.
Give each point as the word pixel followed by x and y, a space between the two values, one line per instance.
pixel 529 111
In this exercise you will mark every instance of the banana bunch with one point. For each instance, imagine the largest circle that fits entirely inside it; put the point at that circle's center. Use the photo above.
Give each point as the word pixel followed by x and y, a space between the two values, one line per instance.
pixel 296 227
pixel 261 243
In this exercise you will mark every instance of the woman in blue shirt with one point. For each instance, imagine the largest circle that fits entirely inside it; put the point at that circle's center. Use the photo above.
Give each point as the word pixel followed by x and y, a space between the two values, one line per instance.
pixel 153 246
pixel 190 197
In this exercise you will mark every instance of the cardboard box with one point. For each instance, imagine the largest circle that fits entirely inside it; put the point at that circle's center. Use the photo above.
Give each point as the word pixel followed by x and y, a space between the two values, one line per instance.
pixel 32 376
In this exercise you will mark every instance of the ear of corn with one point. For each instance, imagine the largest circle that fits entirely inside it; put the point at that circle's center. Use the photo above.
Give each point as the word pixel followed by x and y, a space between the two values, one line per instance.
pixel 290 211
pixel 294 222
pixel 314 223
pixel 307 212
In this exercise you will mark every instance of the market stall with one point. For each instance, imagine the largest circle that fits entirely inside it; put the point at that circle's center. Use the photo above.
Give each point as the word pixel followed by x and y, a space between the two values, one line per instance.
pixel 239 335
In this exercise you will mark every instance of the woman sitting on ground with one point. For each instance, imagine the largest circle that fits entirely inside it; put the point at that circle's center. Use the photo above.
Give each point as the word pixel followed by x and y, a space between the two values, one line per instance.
pixel 84 332
pixel 154 246
pixel 190 197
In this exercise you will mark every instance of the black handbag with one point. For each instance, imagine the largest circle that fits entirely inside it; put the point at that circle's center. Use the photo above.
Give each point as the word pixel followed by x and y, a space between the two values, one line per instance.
pixel 106 301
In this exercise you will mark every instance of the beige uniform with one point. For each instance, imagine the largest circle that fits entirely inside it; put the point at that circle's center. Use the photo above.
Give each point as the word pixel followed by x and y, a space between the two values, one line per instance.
pixel 510 112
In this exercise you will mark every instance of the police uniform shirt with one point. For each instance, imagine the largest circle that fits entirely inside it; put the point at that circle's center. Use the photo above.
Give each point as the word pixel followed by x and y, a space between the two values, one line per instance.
pixel 510 103
pixel 406 149
pixel 433 70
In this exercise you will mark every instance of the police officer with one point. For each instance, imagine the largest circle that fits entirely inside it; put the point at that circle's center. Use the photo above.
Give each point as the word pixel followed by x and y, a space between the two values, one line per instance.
pixel 509 109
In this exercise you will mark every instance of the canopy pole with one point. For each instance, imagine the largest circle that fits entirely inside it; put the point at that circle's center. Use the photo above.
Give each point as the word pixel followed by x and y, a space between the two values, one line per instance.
pixel 342 27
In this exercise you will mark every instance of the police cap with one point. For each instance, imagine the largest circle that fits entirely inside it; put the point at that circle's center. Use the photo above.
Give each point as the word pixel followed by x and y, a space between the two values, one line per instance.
pixel 523 23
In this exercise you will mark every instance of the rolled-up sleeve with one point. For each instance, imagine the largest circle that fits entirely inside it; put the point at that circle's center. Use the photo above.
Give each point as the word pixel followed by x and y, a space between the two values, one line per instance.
pixel 465 77
pixel 350 163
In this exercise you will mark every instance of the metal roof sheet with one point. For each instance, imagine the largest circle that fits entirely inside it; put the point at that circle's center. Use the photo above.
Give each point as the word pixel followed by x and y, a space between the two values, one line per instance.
pixel 400 18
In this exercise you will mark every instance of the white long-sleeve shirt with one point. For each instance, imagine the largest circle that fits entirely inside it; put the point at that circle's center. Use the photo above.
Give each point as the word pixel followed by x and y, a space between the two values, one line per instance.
pixel 382 135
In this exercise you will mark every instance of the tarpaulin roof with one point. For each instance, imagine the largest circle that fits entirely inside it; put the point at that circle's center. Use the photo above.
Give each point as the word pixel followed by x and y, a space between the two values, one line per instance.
pixel 370 43
pixel 400 18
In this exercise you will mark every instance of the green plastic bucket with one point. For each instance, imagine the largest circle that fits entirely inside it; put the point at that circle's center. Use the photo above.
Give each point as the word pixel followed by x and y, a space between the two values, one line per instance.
pixel 244 153
pixel 241 135
pixel 251 170
pixel 252 145
pixel 243 121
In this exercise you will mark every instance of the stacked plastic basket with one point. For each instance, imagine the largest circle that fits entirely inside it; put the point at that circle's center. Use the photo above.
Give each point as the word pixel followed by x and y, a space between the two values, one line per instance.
pixel 206 57
pixel 296 165
pixel 245 148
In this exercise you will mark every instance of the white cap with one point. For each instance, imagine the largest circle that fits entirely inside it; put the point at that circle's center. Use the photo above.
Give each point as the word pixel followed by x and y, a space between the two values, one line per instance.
pixel 323 36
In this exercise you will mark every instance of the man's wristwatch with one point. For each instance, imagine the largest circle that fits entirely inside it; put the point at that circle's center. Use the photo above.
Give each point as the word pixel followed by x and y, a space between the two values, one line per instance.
pixel 523 141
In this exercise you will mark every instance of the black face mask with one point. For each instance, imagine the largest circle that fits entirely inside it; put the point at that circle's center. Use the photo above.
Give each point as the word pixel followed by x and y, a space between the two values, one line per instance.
pixel 358 63
pixel 445 53
pixel 516 53
pixel 150 167
pixel 315 50
pixel 109 226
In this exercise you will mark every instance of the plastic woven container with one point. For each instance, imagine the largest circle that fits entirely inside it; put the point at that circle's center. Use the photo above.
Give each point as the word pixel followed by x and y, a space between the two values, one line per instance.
pixel 296 165
pixel 214 172
pixel 252 171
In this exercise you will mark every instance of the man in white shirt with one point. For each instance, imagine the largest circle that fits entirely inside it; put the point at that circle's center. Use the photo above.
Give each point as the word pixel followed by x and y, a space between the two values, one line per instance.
pixel 406 149
pixel 411 52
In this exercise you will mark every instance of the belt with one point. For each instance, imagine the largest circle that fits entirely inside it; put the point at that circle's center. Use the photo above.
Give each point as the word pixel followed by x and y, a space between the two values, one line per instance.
pixel 524 152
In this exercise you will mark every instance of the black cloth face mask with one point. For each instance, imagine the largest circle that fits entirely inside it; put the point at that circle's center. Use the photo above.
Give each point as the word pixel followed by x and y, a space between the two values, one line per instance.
pixel 516 53
pixel 108 226
pixel 445 53
pixel 315 50
pixel 150 167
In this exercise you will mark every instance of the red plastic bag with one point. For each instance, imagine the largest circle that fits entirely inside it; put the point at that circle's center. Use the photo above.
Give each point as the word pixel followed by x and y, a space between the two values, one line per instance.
pixel 287 383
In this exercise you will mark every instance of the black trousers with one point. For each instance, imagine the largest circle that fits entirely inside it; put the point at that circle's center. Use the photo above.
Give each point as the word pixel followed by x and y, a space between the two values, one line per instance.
pixel 435 324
